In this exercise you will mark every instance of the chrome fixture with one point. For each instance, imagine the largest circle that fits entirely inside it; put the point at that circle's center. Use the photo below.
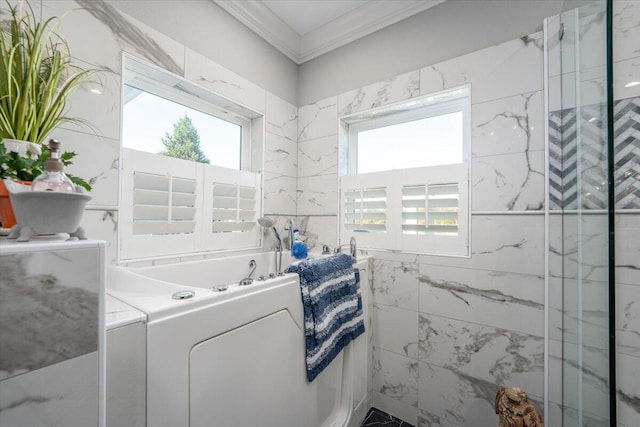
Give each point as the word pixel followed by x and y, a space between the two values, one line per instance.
pixel 352 248
pixel 325 250
pixel 183 295
pixel 269 223
pixel 289 227
pixel 248 280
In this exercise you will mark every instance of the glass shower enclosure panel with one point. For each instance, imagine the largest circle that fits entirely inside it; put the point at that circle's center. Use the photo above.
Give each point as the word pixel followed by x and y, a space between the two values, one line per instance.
pixel 578 217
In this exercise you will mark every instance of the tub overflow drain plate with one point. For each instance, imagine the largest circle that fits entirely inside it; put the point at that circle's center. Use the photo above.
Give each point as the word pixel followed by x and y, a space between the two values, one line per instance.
pixel 183 295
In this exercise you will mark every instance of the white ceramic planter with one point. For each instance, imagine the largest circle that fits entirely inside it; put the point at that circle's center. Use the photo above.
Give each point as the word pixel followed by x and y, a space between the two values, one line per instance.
pixel 45 213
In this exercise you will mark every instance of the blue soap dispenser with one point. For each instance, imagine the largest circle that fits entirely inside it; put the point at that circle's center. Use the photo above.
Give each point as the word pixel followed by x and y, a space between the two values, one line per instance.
pixel 298 248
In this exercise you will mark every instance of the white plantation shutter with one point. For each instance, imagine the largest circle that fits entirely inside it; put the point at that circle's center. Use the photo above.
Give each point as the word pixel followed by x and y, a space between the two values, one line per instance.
pixel 425 210
pixel 365 210
pixel 443 209
pixel 161 196
pixel 163 204
pixel 179 206
pixel 234 209
pixel 430 209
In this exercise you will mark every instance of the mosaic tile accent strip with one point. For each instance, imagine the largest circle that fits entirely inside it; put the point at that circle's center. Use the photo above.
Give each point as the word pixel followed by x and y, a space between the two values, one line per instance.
pixel 627 153
pixel 588 160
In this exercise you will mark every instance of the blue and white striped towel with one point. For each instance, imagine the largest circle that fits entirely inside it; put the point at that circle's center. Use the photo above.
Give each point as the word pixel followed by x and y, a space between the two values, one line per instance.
pixel 332 303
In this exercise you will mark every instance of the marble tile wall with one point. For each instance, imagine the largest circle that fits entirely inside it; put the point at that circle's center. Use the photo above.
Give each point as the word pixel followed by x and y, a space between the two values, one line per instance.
pixel 114 33
pixel 50 340
pixel 472 325
pixel 448 325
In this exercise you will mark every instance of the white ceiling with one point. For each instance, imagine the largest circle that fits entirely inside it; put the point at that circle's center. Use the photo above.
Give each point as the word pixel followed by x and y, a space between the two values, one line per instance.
pixel 306 29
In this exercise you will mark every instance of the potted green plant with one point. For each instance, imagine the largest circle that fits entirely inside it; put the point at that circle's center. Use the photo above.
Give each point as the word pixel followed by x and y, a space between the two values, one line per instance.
pixel 24 168
pixel 37 77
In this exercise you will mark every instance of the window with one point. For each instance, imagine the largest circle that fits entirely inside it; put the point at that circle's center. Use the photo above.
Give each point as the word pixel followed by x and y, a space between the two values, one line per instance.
pixel 190 167
pixel 157 125
pixel 406 181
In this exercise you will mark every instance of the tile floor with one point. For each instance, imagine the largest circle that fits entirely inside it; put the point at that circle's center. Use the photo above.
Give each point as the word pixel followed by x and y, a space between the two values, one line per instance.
pixel 376 418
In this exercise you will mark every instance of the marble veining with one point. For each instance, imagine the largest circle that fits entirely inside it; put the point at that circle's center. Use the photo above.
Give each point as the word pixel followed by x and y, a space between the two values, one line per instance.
pixel 496 72
pixel 509 182
pixel 497 355
pixel 109 217
pixel 281 128
pixel 459 290
pixel 281 157
pixel 511 301
pixel 63 394
pixel 427 419
pixel 396 283
pixel 459 398
pixel 395 330
pixel 395 376
pixel 592 369
pixel 281 118
pixel 44 321
pixel 318 157
pixel 521 121
pixel 318 195
pixel 130 34
pixel 502 243
pixel 318 119
pixel 115 166
pixel 564 415
pixel 627 389
pixel 395 89
pixel 279 194
pixel 626 29
pixel 508 125
pixel 628 319
pixel 631 400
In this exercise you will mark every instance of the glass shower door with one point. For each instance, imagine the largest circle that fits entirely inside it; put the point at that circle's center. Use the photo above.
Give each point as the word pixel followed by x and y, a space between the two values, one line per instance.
pixel 578 218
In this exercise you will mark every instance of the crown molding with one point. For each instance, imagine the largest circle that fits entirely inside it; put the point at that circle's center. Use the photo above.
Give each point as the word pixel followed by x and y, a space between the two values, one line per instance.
pixel 360 22
pixel 261 20
pixel 351 26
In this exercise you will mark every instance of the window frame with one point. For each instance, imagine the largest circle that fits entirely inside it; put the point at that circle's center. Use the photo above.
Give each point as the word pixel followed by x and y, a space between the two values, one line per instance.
pixel 461 104
pixel 132 247
pixel 452 100
pixel 144 84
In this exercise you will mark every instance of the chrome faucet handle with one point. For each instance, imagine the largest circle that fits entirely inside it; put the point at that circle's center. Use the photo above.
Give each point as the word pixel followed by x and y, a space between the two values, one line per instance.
pixel 352 247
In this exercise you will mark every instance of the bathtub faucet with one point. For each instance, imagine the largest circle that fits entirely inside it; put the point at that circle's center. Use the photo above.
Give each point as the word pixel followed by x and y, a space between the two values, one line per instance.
pixel 267 223
pixel 352 248
pixel 278 253
pixel 249 280
pixel 289 227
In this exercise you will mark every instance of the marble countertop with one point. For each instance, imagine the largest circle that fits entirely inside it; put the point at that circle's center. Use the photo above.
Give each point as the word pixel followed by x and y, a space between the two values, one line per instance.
pixel 120 314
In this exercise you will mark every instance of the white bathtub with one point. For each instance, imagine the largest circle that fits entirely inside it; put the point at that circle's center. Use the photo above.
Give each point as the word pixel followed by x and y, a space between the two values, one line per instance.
pixel 236 358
